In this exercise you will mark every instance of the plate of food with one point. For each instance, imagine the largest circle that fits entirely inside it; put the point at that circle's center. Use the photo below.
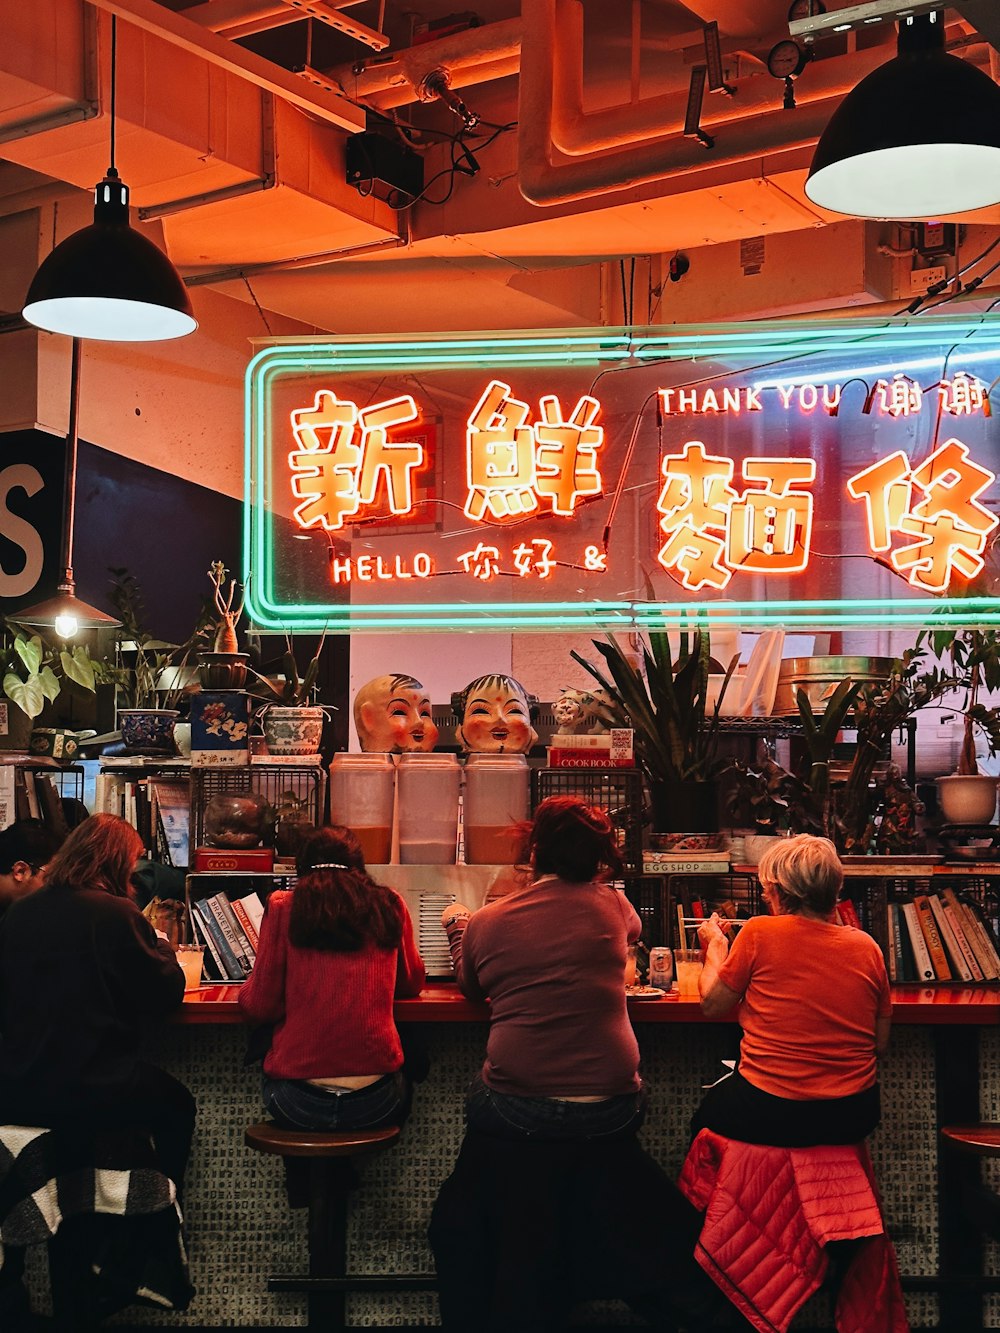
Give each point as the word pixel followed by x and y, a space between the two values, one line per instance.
pixel 644 992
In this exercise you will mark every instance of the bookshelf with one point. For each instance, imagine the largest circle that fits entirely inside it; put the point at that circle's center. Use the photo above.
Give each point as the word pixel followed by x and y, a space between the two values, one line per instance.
pixel 40 789
pixel 165 799
pixel 873 890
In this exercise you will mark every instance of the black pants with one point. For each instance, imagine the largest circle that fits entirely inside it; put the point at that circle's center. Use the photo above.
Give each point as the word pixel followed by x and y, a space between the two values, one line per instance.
pixel 738 1110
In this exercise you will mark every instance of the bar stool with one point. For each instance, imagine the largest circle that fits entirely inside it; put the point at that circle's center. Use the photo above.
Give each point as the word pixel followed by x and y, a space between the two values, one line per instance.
pixel 331 1178
pixel 979 1201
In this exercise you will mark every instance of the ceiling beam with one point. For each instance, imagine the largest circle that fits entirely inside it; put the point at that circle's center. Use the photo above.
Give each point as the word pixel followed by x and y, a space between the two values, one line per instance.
pixel 984 15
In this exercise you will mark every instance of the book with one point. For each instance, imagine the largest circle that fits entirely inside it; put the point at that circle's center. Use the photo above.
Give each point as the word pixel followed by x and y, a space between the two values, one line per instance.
pixel 173 817
pixel 31 794
pixel 249 912
pixel 975 935
pixel 218 905
pixel 935 945
pixel 212 930
pixel 51 804
pixel 220 725
pixel 685 865
pixel 953 918
pixel 893 954
pixel 201 935
pixel 618 743
pixel 292 760
pixel 565 758
pixel 924 968
pixel 959 962
pixel 981 942
pixel 905 965
pixel 6 795
pixel 848 914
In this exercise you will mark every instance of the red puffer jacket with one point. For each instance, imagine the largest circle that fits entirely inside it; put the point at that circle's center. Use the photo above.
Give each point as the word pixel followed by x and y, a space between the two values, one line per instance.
pixel 768 1214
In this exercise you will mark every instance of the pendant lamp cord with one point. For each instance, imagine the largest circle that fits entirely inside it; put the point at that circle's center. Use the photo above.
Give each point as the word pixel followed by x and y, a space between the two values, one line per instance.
pixel 69 479
pixel 114 83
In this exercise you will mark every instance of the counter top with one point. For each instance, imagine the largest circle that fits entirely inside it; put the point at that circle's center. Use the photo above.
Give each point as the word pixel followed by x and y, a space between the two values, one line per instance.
pixel 442 1002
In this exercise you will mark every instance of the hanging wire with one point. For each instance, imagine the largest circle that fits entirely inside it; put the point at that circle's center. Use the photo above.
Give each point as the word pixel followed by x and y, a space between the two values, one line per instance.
pixel 114 86
pixel 253 297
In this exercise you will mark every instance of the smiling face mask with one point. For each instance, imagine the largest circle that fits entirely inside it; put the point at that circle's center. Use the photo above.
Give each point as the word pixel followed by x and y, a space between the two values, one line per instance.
pixel 496 717
pixel 392 715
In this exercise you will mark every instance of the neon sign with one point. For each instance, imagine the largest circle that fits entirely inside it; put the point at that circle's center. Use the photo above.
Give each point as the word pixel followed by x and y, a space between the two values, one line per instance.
pixel 554 487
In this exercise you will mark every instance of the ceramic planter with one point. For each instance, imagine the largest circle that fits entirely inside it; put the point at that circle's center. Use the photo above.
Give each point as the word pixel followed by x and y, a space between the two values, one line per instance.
pixel 293 730
pixel 148 730
pixel 223 671
pixel 967 799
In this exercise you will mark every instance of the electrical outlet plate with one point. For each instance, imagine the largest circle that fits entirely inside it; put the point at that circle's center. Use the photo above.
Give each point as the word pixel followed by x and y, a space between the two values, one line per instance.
pixel 922 278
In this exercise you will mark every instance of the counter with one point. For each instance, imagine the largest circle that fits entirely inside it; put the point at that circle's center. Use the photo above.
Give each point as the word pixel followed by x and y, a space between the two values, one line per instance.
pixel 442 1002
pixel 239 1228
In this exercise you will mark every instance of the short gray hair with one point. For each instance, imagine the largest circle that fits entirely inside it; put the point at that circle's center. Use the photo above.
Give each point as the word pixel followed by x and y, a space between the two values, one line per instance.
pixel 806 871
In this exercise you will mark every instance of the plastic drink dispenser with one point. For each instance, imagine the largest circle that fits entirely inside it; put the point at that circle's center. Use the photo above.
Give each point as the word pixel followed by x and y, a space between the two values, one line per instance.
pixel 496 796
pixel 361 795
pixel 428 808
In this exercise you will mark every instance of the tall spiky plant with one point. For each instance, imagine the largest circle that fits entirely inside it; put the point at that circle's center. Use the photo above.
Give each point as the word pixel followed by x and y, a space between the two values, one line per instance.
pixel 676 733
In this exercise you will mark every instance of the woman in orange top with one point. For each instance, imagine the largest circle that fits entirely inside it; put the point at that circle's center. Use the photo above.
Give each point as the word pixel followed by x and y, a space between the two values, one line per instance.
pixel 812 998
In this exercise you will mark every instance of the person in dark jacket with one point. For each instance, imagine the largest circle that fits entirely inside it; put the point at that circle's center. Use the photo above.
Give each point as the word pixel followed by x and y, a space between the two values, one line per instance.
pixel 82 976
pixel 26 848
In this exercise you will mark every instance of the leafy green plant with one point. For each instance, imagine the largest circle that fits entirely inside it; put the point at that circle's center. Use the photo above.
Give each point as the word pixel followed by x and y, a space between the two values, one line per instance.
pixel 676 733
pixel 293 688
pixel 152 673
pixel 35 673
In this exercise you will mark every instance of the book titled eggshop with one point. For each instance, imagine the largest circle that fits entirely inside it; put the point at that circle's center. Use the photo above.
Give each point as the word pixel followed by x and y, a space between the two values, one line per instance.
pixel 609 749
pixel 220 726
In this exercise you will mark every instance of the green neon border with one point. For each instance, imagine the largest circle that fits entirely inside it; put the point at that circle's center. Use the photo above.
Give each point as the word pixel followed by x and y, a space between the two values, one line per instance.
pixel 782 340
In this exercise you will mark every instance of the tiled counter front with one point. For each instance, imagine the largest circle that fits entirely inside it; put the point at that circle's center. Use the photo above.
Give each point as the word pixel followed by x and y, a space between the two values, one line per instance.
pixel 240 1229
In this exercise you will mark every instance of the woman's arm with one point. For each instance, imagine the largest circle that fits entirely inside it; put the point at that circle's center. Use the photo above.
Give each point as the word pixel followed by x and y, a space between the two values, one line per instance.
pixel 717 999
pixel 262 995
pixel 455 920
pixel 410 971
pixel 882 1026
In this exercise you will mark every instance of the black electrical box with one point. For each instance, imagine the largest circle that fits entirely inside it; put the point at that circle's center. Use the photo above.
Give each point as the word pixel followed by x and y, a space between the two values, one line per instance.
pixel 380 166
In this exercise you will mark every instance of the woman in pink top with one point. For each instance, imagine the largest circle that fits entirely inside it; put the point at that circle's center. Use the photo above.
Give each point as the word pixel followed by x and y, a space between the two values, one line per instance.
pixel 812 998
pixel 334 953
pixel 562 1061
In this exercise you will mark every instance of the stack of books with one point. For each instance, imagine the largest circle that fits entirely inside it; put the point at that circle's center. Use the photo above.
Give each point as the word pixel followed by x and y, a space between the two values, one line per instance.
pixel 230 932
pixel 608 749
pixel 939 937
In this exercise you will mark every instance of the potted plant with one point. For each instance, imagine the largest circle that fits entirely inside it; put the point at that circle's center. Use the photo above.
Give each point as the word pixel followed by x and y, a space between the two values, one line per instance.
pixel 152 676
pixel 224 667
pixel 676 734
pixel 968 796
pixel 292 721
pixel 35 674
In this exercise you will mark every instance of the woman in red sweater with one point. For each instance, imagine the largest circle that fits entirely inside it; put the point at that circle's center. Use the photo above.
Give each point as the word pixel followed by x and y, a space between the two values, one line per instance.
pixel 333 955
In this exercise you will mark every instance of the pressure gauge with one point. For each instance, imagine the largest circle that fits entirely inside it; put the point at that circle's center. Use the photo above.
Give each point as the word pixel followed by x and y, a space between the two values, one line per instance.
pixel 805 9
pixel 786 60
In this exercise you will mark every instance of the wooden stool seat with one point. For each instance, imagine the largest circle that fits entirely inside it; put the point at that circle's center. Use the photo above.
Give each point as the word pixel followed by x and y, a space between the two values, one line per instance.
pixel 983 1140
pixel 270 1138
pixel 328 1159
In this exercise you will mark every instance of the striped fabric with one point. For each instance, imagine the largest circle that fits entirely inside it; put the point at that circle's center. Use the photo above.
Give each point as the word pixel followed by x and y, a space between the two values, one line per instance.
pixel 47 1176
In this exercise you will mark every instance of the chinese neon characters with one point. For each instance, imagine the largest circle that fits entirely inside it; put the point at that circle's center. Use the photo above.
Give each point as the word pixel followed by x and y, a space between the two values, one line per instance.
pixel 712 530
pixel 513 467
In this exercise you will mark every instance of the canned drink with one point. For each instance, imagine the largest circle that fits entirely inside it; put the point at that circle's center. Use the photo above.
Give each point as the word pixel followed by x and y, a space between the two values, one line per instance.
pixel 661 968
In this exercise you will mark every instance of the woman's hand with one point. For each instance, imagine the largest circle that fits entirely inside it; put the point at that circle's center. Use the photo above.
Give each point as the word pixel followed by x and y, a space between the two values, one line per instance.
pixel 455 913
pixel 715 928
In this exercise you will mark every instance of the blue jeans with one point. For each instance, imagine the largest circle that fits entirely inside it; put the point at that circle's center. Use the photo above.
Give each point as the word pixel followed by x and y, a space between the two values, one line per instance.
pixel 509 1117
pixel 296 1104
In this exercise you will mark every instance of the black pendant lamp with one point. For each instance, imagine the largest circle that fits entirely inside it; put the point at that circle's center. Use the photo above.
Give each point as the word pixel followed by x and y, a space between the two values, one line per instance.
pixel 107 281
pixel 919 137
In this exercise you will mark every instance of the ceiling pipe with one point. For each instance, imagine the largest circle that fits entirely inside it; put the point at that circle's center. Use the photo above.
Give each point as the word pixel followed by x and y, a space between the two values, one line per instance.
pixel 576 132
pixel 180 31
pixel 476 55
pixel 547 177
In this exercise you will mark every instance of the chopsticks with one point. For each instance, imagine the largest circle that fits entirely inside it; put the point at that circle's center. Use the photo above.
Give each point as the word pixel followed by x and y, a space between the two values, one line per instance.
pixel 700 920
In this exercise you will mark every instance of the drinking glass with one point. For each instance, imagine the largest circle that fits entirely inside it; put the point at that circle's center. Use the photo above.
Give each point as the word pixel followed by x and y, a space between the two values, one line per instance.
pixel 190 958
pixel 687 968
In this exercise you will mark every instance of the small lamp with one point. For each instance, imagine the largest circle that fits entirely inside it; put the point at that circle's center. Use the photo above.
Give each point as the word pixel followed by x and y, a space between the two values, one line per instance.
pixel 66 613
pixel 107 281
pixel 917 138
